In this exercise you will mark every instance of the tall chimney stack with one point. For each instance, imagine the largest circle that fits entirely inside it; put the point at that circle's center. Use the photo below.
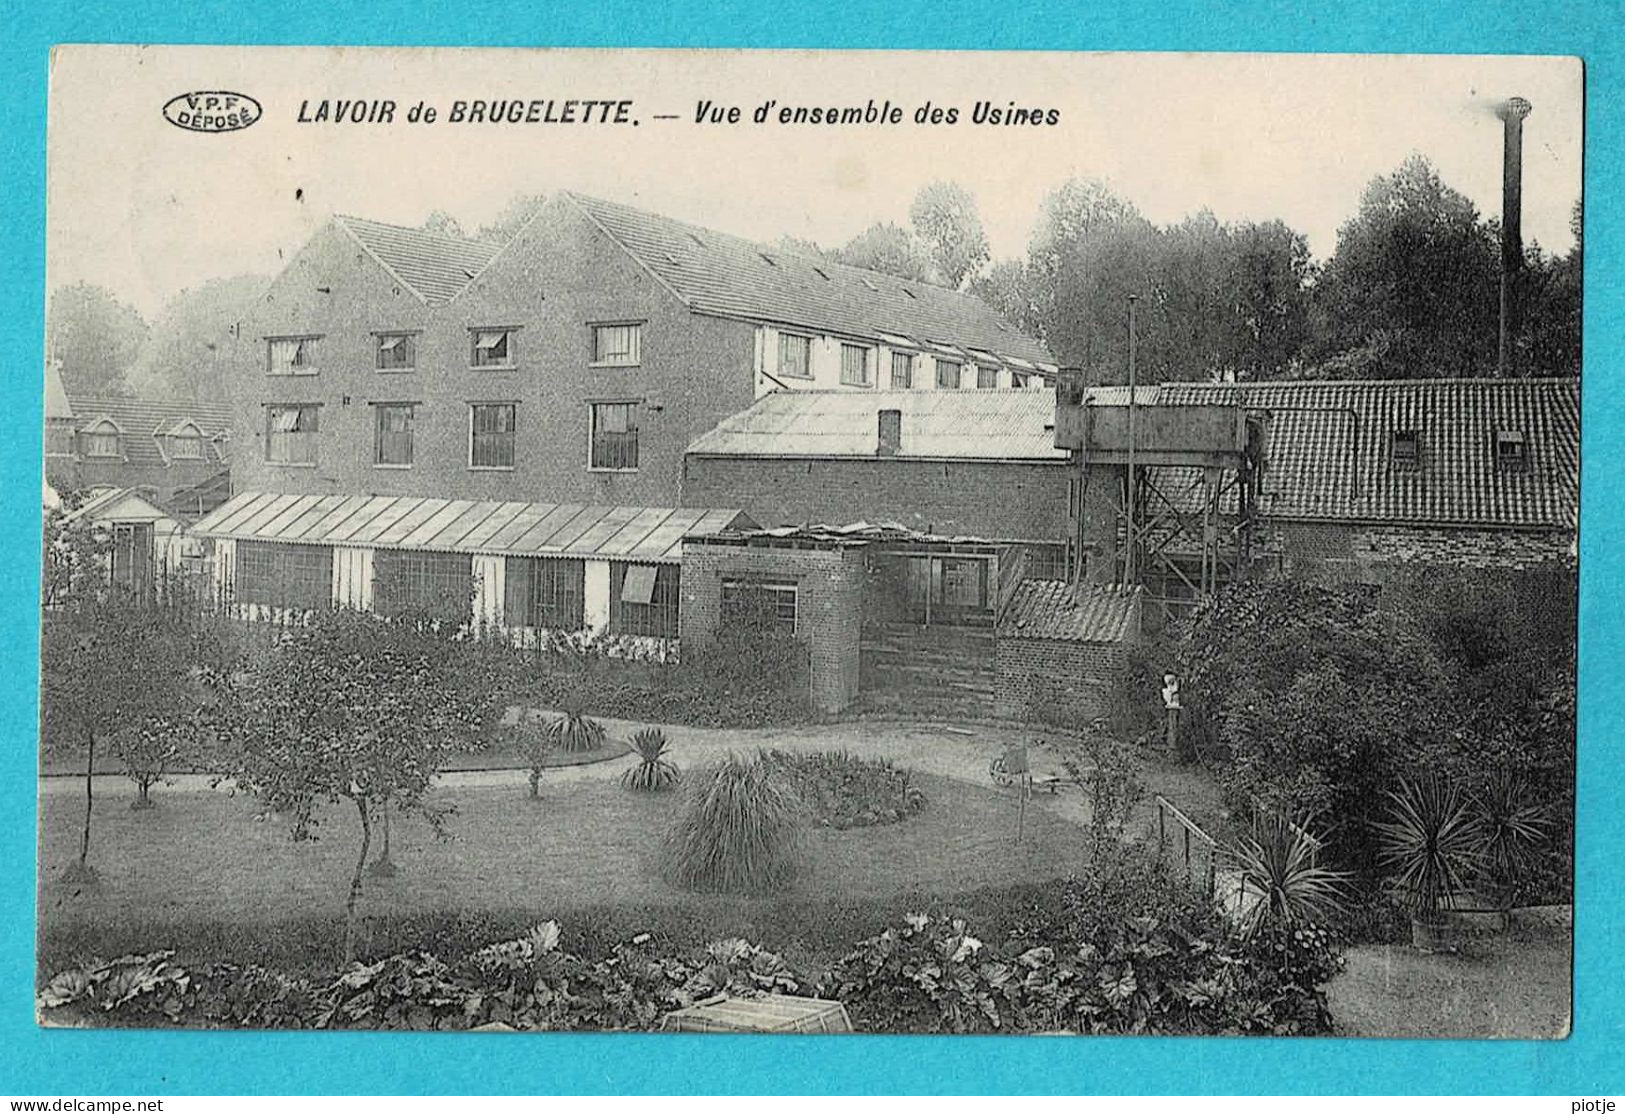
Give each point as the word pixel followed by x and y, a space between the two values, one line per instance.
pixel 1512 114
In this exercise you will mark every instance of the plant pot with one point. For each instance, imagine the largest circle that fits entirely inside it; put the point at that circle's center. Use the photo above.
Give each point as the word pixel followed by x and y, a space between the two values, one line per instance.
pixel 1434 933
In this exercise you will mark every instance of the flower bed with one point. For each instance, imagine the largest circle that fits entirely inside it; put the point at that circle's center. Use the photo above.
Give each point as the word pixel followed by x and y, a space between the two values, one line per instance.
pixel 844 790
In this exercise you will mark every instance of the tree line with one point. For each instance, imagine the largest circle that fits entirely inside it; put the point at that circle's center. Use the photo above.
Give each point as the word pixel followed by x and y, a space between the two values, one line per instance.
pixel 1411 291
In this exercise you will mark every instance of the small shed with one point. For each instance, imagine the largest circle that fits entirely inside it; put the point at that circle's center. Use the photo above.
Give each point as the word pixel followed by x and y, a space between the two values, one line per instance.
pixel 1062 646
pixel 771 1013
pixel 149 544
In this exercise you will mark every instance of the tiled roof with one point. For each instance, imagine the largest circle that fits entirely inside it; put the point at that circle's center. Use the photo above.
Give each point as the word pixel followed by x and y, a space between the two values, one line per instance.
pixel 56 398
pixel 1014 424
pixel 725 275
pixel 1055 609
pixel 433 267
pixel 1330 443
pixel 465 526
pixel 142 421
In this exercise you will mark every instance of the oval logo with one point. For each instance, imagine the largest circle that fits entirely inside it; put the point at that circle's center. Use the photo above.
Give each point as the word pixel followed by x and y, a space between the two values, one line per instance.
pixel 212 111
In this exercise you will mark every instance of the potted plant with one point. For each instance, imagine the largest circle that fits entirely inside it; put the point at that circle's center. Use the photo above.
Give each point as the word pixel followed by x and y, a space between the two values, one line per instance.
pixel 1513 829
pixel 1432 842
pixel 1282 884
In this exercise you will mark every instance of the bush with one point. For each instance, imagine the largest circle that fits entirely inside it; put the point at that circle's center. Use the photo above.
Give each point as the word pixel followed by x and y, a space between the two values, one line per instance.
pixel 737 831
pixel 574 732
pixel 654 770
pixel 842 790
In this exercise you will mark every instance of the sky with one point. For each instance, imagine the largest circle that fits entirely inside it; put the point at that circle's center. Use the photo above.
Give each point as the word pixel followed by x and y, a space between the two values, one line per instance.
pixel 148 209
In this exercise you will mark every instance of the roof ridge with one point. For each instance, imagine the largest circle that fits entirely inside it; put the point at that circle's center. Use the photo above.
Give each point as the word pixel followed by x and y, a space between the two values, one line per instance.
pixel 763 246
pixel 461 241
pixel 1443 380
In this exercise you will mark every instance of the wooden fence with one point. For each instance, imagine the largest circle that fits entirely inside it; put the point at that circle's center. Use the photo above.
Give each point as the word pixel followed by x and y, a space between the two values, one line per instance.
pixel 1182 842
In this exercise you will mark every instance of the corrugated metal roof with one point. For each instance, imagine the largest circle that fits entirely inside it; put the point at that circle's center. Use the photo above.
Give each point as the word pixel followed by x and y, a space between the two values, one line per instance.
pixel 142 421
pixel 732 277
pixel 434 267
pixel 466 526
pixel 1330 448
pixel 1010 424
pixel 1055 609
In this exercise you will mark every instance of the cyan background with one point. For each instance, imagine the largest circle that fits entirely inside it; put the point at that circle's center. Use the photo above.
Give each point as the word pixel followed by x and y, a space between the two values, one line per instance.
pixel 40 1062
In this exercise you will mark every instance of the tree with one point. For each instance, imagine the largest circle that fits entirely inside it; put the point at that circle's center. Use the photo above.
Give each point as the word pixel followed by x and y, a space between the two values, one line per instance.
pixel 1412 290
pixel 96 337
pixel 353 708
pixel 890 250
pixel 187 353
pixel 111 661
pixel 945 217
pixel 514 215
pixel 441 223
pixel 1007 288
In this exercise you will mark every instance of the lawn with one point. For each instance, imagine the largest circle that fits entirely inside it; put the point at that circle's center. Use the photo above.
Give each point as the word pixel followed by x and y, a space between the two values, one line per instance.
pixel 207 873
pixel 1514 983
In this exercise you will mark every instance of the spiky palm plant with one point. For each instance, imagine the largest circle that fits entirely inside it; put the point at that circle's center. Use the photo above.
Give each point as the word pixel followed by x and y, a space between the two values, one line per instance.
pixel 1512 829
pixel 737 832
pixel 1277 863
pixel 574 732
pixel 1432 842
pixel 654 770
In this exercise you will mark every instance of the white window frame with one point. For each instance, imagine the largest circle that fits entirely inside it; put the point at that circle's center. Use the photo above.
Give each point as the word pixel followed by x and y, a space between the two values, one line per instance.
pixel 409 337
pixel 100 429
pixel 313 434
pixel 511 362
pixel 378 409
pixel 592 430
pixel 777 587
pixel 187 433
pixel 513 406
pixel 913 360
pixel 868 351
pixel 807 345
pixel 633 358
pixel 307 340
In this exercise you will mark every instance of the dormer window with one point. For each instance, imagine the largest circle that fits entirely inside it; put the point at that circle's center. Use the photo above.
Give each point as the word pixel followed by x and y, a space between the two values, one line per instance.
pixel 101 441
pixel 186 443
pixel 1405 450
pixel 1511 450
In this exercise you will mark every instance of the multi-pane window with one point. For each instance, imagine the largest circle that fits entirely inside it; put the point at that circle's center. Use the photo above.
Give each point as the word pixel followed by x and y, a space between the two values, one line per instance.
pixel 102 440
pixel 397 351
pixel 795 356
pixel 1405 449
pixel 614 436
pixel 393 443
pixel 186 443
pixel 617 345
pixel 759 603
pixel 902 370
pixel 987 378
pixel 491 434
pixel 545 593
pixel 278 575
pixel 854 365
pixel 948 375
pixel 643 599
pixel 1511 450
pixel 435 584
pixel 290 436
pixel 491 348
pixel 291 355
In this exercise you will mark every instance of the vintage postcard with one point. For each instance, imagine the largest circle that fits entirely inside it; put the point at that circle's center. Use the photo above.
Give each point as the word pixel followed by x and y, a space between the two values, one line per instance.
pixel 863 542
